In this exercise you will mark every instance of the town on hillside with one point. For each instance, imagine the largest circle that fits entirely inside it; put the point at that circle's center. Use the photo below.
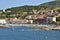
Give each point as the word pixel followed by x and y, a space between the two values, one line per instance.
pixel 43 16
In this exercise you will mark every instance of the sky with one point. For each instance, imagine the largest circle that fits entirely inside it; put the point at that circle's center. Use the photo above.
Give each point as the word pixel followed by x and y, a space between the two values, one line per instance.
pixel 4 4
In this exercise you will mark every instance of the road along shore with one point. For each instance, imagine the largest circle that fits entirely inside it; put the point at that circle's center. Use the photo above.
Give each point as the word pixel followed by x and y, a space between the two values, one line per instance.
pixel 39 26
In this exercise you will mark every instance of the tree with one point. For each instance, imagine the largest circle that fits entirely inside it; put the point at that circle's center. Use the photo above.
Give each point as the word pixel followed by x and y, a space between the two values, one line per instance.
pixel 58 10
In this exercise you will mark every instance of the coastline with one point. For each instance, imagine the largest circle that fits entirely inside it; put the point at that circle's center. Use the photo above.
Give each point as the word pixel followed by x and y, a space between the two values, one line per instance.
pixel 38 26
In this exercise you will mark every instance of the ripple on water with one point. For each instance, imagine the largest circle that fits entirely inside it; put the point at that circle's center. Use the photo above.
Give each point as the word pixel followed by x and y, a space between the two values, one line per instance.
pixel 24 33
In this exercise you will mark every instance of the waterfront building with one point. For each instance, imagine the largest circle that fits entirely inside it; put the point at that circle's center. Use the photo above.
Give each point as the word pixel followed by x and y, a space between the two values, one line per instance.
pixel 14 21
pixel 29 21
pixel 41 20
pixel 23 21
pixel 54 19
pixel 49 20
pixel 3 21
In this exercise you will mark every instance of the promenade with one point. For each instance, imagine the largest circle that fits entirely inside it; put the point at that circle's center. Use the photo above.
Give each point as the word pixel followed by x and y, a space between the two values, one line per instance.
pixel 38 26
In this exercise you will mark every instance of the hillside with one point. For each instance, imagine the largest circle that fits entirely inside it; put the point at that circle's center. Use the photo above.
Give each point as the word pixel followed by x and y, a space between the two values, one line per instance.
pixel 18 11
pixel 52 4
pixel 27 8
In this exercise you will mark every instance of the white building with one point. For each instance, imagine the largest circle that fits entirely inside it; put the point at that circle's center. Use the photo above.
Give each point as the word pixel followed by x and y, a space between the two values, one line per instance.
pixel 54 19
pixel 4 10
pixel 3 21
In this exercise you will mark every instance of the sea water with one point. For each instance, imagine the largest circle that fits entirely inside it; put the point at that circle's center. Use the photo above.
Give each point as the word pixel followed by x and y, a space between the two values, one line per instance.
pixel 25 33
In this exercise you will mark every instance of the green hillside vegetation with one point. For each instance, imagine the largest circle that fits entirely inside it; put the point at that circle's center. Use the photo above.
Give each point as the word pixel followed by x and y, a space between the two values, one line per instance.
pixel 19 11
pixel 52 4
